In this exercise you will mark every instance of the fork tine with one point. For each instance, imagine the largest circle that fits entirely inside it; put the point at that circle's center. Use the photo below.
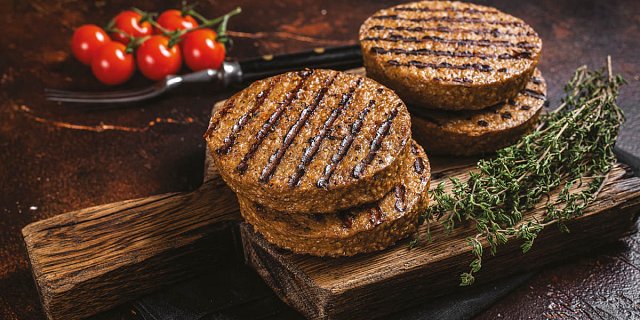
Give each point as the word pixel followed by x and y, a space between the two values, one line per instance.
pixel 88 95
pixel 96 98
pixel 131 98
pixel 109 98
pixel 92 95
pixel 85 93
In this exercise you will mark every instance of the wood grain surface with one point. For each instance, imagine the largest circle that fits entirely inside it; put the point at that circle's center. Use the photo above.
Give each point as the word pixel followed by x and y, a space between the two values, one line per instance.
pixel 93 259
pixel 58 158
pixel 372 285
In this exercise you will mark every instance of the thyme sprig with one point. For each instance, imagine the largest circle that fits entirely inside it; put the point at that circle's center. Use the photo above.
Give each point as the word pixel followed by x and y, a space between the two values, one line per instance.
pixel 571 151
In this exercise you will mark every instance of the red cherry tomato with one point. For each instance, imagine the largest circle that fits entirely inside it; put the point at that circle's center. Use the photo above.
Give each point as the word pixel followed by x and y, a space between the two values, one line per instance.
pixel 111 64
pixel 174 20
pixel 128 22
pixel 86 40
pixel 202 51
pixel 156 60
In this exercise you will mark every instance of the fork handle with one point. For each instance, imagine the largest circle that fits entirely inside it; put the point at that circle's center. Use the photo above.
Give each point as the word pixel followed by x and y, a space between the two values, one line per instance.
pixel 343 57
pixel 246 71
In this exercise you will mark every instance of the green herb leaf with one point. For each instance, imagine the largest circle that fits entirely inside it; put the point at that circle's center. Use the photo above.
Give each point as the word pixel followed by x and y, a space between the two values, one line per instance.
pixel 571 151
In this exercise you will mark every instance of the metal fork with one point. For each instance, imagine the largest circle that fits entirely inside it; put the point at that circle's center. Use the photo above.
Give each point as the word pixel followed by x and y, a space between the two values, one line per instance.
pixel 228 74
pixel 232 72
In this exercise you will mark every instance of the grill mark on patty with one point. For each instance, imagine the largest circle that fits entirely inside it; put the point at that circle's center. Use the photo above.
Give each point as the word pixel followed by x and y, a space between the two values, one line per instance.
pixel 418 165
pixel 376 143
pixel 226 108
pixel 401 192
pixel 446 9
pixel 462 80
pixel 534 94
pixel 243 120
pixel 524 107
pixel 536 80
pixel 345 145
pixel 315 142
pixel 414 149
pixel 377 216
pixel 494 32
pixel 294 130
pixel 450 19
pixel 456 79
pixel 443 65
pixel 267 126
pixel 458 54
pixel 470 42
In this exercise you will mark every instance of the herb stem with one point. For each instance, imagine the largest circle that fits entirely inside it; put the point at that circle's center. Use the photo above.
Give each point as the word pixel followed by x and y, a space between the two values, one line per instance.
pixel 569 156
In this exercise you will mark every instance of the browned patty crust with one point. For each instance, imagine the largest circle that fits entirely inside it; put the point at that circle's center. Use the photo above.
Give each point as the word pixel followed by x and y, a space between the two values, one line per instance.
pixel 466 133
pixel 449 55
pixel 311 141
pixel 364 229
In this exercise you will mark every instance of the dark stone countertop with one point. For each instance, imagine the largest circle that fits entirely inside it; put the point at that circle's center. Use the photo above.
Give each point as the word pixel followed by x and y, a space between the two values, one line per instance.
pixel 56 158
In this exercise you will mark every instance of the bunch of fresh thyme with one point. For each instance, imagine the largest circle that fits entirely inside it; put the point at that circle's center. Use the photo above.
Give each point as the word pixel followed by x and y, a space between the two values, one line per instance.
pixel 571 151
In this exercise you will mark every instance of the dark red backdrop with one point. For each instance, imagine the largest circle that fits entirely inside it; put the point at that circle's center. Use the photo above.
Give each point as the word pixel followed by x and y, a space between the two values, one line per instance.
pixel 55 158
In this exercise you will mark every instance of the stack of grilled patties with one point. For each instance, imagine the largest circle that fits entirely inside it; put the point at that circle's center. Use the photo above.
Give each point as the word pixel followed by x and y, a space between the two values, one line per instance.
pixel 467 72
pixel 322 162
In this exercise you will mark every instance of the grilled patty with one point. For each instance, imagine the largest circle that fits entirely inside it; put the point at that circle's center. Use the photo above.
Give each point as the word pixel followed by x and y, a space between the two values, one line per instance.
pixel 483 131
pixel 449 55
pixel 364 229
pixel 311 141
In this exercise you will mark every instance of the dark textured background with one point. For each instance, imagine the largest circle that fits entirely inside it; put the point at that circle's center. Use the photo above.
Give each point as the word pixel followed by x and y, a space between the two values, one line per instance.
pixel 55 158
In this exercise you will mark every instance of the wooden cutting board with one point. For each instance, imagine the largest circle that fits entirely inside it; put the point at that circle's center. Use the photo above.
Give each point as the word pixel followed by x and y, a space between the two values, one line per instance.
pixel 90 260
pixel 367 286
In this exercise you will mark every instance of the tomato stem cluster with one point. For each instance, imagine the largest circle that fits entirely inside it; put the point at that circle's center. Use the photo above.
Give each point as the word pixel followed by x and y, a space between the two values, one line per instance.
pixel 175 36
pixel 147 40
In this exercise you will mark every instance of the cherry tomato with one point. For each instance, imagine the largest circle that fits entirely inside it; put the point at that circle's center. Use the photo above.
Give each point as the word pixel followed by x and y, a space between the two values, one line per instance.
pixel 111 64
pixel 202 51
pixel 129 23
pixel 86 40
pixel 156 60
pixel 174 20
